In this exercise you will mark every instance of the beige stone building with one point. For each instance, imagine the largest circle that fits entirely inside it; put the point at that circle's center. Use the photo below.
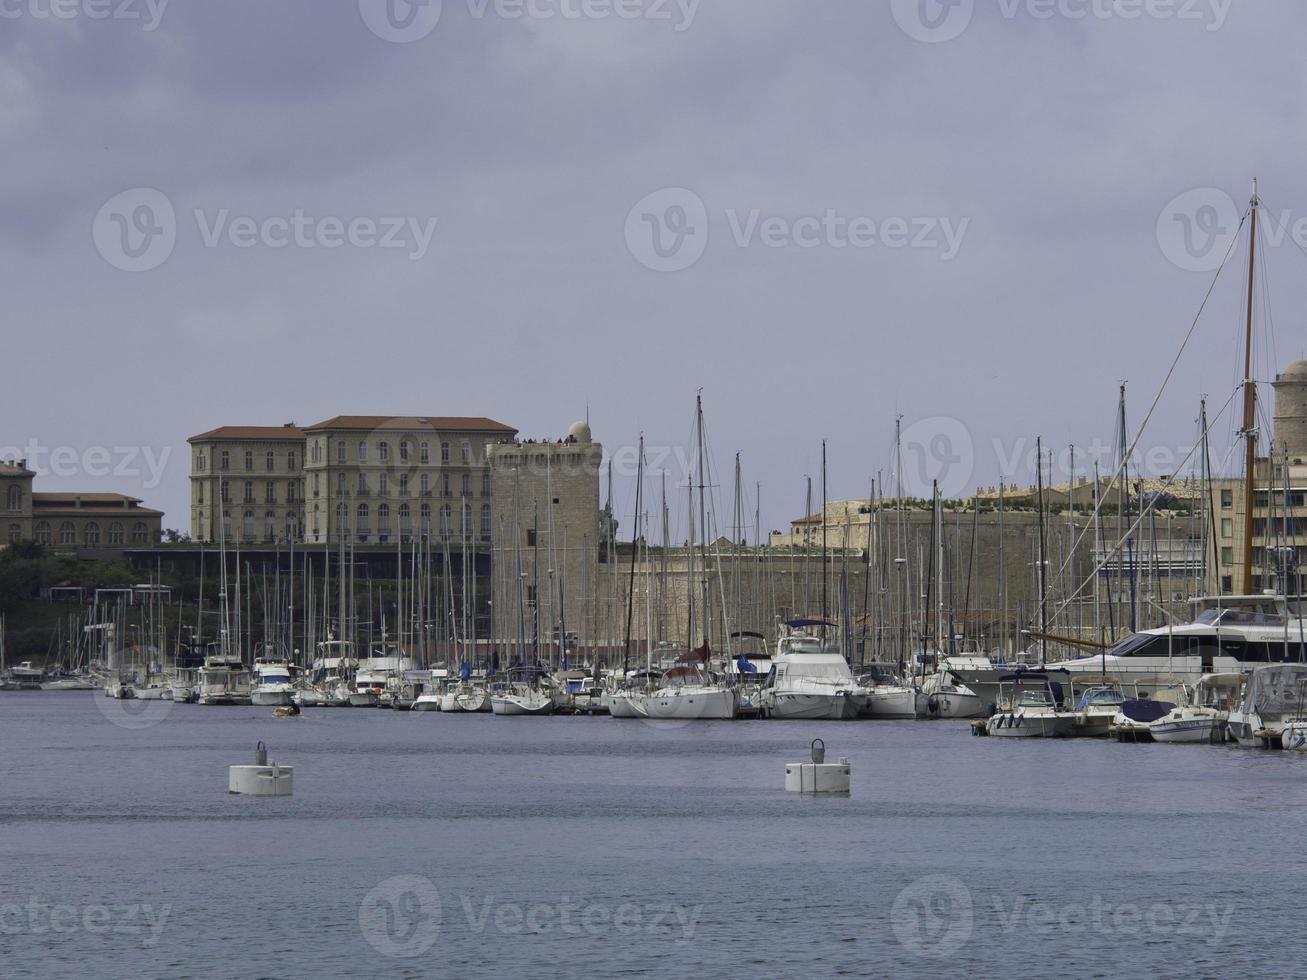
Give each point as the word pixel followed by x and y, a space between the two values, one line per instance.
pixel 252 479
pixel 85 521
pixel 548 545
pixel 382 479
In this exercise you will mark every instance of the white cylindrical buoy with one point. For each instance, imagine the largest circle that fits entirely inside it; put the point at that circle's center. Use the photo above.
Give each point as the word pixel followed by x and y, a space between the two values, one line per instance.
pixel 261 779
pixel 818 776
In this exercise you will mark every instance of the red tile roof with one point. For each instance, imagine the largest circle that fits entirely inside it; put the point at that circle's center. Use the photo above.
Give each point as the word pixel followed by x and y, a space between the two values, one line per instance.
pixel 248 433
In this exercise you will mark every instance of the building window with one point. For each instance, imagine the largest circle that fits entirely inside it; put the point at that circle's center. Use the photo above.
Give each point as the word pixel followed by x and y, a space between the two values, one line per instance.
pixel 270 461
pixel 383 452
pixel 269 526
pixel 225 462
pixel 340 451
pixel 292 528
pixel 426 484
pixel 270 492
pixel 1227 585
pixel 199 525
pixel 446 519
pixel 405 515
pixel 115 533
pixel 485 484
pixel 1227 499
pixel 363 519
pixel 424 453
pixel 342 520
pixel 403 450
pixel 363 484
pixel 383 485
pixel 317 487
pixel 43 533
pixel 67 533
pixel 403 484
pixel 199 493
pixel 467 484
pixel 249 460
pixel 467 452
pixel 363 452
pixel 249 491
pixel 92 534
pixel 292 461
pixel 1227 527
pixel 485 519
pixel 317 522
pixel 224 491
pixel 247 526
pixel 530 537
pixel 199 462
pixel 292 492
pixel 467 518
pixel 340 484
pixel 444 484
pixel 444 452
pixel 1227 556
pixel 426 518
pixel 15 498
pixel 226 525
pixel 383 521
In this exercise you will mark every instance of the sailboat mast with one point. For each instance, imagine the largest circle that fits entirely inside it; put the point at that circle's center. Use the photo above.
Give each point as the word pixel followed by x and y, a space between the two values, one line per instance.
pixel 1250 408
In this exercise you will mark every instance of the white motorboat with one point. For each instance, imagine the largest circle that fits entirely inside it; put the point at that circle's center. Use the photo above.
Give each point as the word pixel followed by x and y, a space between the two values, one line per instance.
pixel 273 687
pixel 1096 710
pixel 1205 719
pixel 224 679
pixel 155 691
pixel 1274 697
pixel 184 682
pixel 889 696
pixel 947 697
pixel 1031 705
pixel 22 677
pixel 810 680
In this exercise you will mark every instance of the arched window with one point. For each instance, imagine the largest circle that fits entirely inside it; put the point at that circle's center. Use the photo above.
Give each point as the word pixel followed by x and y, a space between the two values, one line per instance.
pixel 485 519
pixel 270 526
pixel 67 533
pixel 115 533
pixel 226 525
pixel 15 498
pixel 92 534
pixel 43 533
pixel 446 518
pixel 363 518
pixel 247 526
pixel 140 533
pixel 404 520
pixel 383 518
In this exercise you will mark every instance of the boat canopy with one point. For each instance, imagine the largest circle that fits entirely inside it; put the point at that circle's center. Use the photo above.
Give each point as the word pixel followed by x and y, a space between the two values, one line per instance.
pixel 803 624
pixel 1278 690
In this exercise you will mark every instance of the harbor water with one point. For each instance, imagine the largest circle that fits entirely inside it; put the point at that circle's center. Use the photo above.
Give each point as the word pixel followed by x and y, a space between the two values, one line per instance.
pixel 426 844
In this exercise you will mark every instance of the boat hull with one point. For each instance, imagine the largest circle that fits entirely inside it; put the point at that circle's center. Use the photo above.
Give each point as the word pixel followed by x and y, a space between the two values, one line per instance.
pixel 1022 725
pixel 785 706
pixel 692 705
pixel 896 703
pixel 271 699
pixel 516 705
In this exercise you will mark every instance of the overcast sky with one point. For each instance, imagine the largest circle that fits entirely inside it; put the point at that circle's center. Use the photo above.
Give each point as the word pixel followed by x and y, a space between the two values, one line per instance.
pixel 964 217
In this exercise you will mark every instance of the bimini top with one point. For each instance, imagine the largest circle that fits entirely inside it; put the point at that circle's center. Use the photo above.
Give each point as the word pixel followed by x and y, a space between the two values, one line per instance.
pixel 803 624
